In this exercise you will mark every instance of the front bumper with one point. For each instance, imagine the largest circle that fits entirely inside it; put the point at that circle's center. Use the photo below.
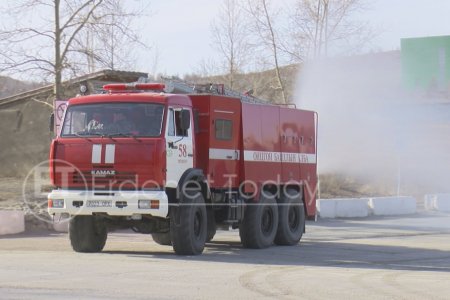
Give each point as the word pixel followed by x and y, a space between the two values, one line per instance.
pixel 120 203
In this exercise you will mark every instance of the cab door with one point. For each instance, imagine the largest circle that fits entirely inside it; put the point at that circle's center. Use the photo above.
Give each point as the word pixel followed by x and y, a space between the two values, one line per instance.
pixel 179 145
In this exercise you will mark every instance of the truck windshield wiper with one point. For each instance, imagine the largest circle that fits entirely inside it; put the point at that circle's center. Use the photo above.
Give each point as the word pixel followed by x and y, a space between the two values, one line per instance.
pixel 87 135
pixel 123 134
pixel 81 134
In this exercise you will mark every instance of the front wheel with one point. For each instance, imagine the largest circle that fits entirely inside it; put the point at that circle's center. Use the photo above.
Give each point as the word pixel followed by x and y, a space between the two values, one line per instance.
pixel 259 226
pixel 87 234
pixel 188 225
pixel 211 225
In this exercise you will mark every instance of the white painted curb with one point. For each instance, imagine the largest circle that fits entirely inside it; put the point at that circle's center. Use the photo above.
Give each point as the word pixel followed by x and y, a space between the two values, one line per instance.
pixel 343 208
pixel 385 206
pixel 439 202
pixel 428 202
pixel 12 222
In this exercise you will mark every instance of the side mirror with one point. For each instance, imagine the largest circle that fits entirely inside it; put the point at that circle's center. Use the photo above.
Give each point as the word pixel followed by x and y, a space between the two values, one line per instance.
pixel 185 119
pixel 51 123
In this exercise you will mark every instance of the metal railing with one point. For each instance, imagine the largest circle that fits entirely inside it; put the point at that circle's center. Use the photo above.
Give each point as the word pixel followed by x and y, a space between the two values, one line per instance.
pixel 178 86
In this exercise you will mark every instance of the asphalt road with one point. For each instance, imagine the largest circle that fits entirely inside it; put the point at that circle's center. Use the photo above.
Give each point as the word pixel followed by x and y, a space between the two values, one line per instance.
pixel 373 258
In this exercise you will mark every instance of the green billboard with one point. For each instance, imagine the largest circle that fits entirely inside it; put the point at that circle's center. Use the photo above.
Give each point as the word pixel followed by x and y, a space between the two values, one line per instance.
pixel 425 63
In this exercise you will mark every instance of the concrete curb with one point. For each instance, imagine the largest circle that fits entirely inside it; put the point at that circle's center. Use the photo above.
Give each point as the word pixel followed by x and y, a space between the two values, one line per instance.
pixel 439 202
pixel 12 222
pixel 363 207
pixel 343 208
pixel 388 206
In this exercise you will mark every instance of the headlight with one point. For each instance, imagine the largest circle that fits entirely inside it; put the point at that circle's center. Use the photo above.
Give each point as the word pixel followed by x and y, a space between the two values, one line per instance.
pixel 148 204
pixel 144 204
pixel 56 203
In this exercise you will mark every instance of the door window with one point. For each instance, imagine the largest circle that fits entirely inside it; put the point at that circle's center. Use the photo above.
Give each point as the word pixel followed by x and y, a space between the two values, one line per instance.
pixel 174 123
pixel 224 129
pixel 170 124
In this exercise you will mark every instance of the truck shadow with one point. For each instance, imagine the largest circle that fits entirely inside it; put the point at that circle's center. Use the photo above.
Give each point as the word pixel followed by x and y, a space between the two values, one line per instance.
pixel 316 254
pixel 369 243
pixel 425 223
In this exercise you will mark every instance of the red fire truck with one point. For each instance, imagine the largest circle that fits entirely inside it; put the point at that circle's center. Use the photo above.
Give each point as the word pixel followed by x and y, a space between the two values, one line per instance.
pixel 178 166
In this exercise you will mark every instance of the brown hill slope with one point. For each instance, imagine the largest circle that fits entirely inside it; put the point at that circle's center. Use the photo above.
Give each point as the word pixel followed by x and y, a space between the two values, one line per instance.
pixel 263 84
pixel 10 86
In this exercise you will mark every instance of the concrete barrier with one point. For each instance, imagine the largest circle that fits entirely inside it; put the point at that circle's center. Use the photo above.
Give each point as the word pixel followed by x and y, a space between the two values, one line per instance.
pixel 439 202
pixel 383 206
pixel 428 202
pixel 12 222
pixel 343 208
pixel 442 202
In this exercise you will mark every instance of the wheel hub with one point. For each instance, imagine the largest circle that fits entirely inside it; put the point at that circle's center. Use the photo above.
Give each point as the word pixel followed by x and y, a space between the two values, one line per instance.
pixel 267 221
pixel 293 217
pixel 197 223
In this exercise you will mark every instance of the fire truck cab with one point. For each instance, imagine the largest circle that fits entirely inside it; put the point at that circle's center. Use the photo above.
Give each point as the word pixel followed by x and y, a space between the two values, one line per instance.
pixel 178 165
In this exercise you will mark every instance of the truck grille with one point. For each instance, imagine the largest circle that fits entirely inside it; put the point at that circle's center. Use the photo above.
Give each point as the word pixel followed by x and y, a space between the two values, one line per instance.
pixel 128 178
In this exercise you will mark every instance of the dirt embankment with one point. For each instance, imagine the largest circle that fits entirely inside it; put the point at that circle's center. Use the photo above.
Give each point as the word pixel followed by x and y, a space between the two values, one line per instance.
pixel 11 193
pixel 24 137
pixel 346 186
pixel 16 194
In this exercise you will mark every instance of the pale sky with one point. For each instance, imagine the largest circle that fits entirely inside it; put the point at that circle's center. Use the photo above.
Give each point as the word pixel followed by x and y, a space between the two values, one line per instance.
pixel 181 29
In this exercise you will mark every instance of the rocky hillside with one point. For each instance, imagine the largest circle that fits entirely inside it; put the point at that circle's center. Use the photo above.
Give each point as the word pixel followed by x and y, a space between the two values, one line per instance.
pixel 10 86
pixel 263 84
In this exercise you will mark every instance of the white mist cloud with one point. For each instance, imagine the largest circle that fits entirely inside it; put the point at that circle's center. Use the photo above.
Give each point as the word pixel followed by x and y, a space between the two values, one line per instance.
pixel 370 127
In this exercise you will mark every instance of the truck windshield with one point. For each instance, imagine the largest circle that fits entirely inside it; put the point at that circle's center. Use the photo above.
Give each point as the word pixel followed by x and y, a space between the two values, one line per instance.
pixel 113 119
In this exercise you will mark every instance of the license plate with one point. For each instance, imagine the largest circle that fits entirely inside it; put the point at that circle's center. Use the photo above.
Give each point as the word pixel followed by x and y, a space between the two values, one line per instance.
pixel 99 203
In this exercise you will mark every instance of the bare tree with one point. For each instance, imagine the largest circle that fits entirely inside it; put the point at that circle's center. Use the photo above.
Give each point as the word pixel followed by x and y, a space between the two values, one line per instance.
pixel 154 64
pixel 264 28
pixel 206 67
pixel 47 37
pixel 318 25
pixel 107 40
pixel 231 38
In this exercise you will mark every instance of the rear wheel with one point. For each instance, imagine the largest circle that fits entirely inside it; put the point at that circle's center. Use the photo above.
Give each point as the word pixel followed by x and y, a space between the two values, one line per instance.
pixel 87 234
pixel 259 226
pixel 188 225
pixel 291 224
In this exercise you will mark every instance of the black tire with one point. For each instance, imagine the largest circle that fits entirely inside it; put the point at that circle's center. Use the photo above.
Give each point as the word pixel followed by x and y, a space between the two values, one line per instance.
pixel 259 226
pixel 87 234
pixel 162 238
pixel 189 235
pixel 211 226
pixel 291 221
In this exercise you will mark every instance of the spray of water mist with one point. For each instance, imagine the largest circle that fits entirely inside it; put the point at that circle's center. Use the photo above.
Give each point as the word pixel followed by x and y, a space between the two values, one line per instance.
pixel 373 129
